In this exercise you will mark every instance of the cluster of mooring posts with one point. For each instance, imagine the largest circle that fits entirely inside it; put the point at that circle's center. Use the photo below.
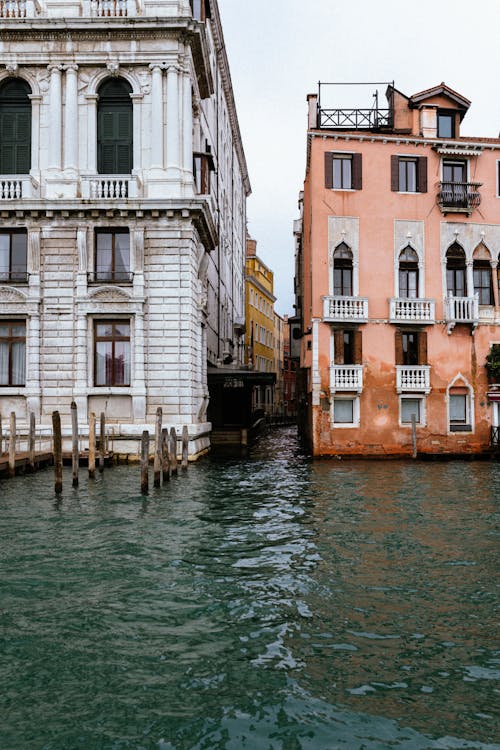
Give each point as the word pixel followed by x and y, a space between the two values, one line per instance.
pixel 164 457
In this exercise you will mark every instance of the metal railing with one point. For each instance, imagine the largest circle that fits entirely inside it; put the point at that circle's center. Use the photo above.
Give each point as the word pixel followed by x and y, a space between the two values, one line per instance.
pixel 355 119
pixel 346 378
pixel 495 437
pixel 345 309
pixel 20 277
pixel 404 310
pixel 413 378
pixel 459 196
pixel 110 277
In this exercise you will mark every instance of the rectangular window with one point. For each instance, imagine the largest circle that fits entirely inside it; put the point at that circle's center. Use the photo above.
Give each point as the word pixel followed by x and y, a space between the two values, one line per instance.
pixel 112 255
pixel 409 174
pixel 445 124
pixel 459 412
pixel 410 406
pixel 343 171
pixel 410 348
pixel 112 352
pixel 482 282
pixel 343 411
pixel 12 353
pixel 13 255
pixel 201 173
pixel 348 347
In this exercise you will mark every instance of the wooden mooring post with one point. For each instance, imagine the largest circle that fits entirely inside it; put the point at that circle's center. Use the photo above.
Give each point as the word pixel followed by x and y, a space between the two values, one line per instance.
pixel 414 435
pixel 31 444
pixel 158 449
pixel 12 445
pixel 185 448
pixel 57 449
pixel 1 436
pixel 145 462
pixel 165 455
pixel 75 448
pixel 102 442
pixel 173 450
pixel 91 445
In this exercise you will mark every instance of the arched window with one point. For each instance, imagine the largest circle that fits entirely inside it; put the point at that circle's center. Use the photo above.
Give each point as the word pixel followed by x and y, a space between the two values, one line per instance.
pixel 456 271
pixel 408 273
pixel 15 127
pixel 483 280
pixel 342 271
pixel 114 127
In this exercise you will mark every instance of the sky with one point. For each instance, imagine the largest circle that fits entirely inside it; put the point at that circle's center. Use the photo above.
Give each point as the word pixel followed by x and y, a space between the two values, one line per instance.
pixel 278 51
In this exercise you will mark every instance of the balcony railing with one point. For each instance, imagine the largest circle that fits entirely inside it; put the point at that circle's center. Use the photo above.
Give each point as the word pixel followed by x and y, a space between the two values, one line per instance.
pixel 345 309
pixel 355 119
pixel 495 437
pixel 418 311
pixel 461 310
pixel 110 187
pixel 110 277
pixel 14 187
pixel 413 378
pixel 346 378
pixel 13 277
pixel 108 8
pixel 460 197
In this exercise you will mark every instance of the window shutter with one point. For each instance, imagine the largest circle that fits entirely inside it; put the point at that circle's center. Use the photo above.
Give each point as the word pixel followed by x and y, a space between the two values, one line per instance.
pixel 329 170
pixel 7 159
pixel 399 347
pixel 394 174
pixel 422 348
pixel 124 159
pixel 358 348
pixel 338 345
pixel 22 159
pixel 422 174
pixel 357 174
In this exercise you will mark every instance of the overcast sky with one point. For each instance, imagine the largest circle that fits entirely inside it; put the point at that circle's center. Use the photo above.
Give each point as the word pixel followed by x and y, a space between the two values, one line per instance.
pixel 278 51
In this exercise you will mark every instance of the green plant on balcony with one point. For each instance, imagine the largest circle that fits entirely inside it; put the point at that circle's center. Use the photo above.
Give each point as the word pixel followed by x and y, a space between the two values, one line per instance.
pixel 493 364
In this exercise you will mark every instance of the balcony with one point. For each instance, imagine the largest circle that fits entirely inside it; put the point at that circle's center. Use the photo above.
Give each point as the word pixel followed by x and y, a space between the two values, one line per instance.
pixel 355 119
pixel 346 378
pixel 461 310
pixel 418 311
pixel 458 197
pixel 110 187
pixel 495 438
pixel 413 378
pixel 19 8
pixel 345 309
pixel 14 187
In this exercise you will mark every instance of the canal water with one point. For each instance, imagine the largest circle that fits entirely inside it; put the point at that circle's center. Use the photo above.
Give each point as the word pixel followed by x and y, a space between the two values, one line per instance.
pixel 271 603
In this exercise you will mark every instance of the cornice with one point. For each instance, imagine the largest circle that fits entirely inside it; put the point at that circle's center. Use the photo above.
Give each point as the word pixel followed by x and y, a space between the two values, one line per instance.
pixel 405 140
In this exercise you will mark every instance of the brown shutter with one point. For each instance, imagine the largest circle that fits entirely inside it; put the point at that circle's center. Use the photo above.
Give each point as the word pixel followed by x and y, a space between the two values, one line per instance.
pixel 338 345
pixel 357 174
pixel 394 174
pixel 328 169
pixel 358 348
pixel 422 348
pixel 399 347
pixel 422 174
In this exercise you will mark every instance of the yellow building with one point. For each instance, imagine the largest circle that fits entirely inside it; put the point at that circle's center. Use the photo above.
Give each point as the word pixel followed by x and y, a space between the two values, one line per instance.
pixel 259 311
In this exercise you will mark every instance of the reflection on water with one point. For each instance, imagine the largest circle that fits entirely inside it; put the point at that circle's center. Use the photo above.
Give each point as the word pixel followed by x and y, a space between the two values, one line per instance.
pixel 271 603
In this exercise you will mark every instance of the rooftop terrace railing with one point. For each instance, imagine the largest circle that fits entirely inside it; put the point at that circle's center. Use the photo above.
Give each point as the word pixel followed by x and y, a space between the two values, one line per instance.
pixel 355 119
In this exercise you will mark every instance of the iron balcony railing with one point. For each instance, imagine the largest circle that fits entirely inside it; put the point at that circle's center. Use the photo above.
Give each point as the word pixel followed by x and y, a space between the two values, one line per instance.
pixel 110 277
pixel 346 378
pixel 459 196
pixel 413 378
pixel 418 311
pixel 345 309
pixel 355 119
pixel 495 437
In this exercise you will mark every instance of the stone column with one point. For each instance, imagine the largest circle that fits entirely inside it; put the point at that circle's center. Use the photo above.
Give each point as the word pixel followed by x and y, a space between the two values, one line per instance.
pixel 173 123
pixel 92 133
pixel 71 118
pixel 156 116
pixel 470 279
pixel 187 119
pixel 35 132
pixel 81 360
pixel 33 363
pixel 55 129
pixel 494 267
pixel 139 373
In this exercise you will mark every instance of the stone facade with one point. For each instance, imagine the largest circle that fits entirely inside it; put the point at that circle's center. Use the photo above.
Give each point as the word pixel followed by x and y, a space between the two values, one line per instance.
pixel 180 210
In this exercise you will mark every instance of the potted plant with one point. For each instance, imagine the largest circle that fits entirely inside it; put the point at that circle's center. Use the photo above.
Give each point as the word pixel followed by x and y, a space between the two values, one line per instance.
pixel 493 364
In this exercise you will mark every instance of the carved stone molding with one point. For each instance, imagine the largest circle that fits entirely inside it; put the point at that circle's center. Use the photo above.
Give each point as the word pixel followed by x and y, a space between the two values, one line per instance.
pixel 9 294
pixel 110 294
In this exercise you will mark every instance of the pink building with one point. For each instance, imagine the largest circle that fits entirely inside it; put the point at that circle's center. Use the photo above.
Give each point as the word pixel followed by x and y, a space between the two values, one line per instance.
pixel 397 284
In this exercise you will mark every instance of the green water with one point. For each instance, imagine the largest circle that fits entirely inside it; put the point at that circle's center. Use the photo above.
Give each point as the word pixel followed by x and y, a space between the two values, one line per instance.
pixel 266 604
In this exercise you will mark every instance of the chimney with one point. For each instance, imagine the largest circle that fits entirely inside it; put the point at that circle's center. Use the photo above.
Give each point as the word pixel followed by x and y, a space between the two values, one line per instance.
pixel 312 117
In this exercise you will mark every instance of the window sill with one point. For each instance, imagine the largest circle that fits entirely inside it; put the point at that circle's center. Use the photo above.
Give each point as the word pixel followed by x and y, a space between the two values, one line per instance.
pixel 12 390
pixel 110 390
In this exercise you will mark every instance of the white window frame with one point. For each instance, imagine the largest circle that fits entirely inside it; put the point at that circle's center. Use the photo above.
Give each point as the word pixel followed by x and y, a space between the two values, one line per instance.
pixel 469 406
pixel 422 422
pixel 355 412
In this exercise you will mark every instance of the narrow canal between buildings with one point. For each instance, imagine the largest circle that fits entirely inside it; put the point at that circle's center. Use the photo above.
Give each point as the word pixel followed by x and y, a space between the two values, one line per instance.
pixel 271 603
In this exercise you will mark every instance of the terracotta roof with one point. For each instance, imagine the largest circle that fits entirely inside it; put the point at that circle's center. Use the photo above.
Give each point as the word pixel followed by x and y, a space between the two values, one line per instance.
pixel 441 88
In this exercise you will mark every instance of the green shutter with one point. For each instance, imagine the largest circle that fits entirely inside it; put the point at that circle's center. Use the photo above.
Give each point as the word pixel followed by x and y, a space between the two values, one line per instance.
pixel 115 139
pixel 15 140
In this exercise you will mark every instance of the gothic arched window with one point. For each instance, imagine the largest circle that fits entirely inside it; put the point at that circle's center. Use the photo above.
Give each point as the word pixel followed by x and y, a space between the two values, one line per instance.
pixel 114 127
pixel 456 282
pixel 342 271
pixel 15 127
pixel 408 273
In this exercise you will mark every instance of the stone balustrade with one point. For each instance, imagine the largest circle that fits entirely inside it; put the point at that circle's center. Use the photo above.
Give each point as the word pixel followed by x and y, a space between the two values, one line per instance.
pixel 418 311
pixel 345 309
pixel 346 378
pixel 414 378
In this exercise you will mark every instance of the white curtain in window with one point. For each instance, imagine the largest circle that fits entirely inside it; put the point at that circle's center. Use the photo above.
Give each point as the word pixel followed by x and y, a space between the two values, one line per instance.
pixel 458 409
pixel 19 363
pixel 4 364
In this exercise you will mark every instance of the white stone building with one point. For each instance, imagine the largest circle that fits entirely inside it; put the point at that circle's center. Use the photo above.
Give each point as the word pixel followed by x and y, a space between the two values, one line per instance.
pixel 123 188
